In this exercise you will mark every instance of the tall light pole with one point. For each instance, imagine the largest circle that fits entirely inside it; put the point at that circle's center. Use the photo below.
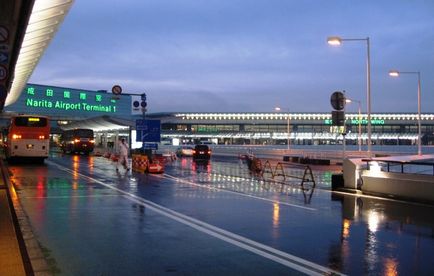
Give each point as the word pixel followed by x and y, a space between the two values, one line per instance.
pixel 336 41
pixel 395 73
pixel 359 140
pixel 287 126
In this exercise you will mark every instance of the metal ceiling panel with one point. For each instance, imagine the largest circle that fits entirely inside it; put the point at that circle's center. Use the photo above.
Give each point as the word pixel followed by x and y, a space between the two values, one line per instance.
pixel 45 19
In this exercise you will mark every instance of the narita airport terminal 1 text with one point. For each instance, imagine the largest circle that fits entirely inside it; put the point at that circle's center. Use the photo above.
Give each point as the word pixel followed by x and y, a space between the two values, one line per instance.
pixel 70 106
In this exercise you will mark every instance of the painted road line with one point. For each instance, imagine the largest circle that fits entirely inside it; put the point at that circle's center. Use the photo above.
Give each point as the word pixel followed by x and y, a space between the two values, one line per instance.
pixel 84 196
pixel 237 193
pixel 265 251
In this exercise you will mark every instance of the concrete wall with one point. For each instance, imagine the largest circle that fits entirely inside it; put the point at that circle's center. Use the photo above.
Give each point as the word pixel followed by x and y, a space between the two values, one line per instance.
pixel 352 169
pixel 411 186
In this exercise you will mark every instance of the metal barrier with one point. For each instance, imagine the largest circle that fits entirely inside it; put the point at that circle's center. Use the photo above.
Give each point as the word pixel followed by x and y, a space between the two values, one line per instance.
pixel 279 170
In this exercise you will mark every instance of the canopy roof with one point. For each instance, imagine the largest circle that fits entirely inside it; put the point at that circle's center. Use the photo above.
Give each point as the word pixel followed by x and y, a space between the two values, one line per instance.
pixel 102 123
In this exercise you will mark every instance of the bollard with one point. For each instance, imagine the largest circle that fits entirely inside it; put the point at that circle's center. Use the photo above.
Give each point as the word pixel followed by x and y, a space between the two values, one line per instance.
pixel 139 163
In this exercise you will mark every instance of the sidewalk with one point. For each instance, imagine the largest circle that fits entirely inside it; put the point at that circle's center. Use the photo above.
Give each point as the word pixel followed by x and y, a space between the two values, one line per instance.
pixel 11 258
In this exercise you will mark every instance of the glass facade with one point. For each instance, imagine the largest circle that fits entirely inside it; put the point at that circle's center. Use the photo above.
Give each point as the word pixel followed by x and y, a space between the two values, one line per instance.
pixel 236 128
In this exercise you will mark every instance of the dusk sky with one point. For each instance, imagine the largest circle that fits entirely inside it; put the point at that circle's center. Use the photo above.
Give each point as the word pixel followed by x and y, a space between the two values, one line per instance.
pixel 246 56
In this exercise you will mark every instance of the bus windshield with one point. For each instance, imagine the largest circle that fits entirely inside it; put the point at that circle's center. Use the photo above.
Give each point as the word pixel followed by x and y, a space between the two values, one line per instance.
pixel 84 133
pixel 31 122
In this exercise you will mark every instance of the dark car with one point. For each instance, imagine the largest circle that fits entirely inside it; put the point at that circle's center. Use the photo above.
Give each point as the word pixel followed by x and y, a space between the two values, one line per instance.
pixel 201 152
pixel 77 140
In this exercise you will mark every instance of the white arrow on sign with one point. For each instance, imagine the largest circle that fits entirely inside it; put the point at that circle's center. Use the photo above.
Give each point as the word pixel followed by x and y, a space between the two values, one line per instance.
pixel 4 57
pixel 4 34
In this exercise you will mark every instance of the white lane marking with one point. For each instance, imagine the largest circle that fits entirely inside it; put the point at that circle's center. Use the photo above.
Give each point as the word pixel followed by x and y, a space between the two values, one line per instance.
pixel 265 251
pixel 84 196
pixel 237 193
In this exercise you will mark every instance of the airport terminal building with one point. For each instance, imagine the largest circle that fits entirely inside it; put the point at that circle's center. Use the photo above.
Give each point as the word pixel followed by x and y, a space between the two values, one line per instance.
pixel 108 114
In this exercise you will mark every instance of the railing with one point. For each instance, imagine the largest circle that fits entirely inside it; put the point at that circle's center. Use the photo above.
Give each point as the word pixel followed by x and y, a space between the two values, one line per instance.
pixel 411 166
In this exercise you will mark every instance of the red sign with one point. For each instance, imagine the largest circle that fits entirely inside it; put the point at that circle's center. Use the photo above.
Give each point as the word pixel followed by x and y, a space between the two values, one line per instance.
pixel 155 168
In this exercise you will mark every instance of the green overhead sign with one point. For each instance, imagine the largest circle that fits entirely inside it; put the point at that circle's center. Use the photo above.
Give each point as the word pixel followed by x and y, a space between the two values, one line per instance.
pixel 65 100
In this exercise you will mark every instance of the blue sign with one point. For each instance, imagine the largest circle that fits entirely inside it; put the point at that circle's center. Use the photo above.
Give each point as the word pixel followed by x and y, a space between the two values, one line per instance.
pixel 148 130
pixel 152 146
pixel 3 92
pixel 4 57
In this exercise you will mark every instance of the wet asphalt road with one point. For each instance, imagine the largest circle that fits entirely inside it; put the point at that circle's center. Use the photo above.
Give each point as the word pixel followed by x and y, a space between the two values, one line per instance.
pixel 214 219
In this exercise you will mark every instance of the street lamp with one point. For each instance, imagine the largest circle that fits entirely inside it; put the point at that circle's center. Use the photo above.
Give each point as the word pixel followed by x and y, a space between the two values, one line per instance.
pixel 395 73
pixel 337 41
pixel 278 109
pixel 360 121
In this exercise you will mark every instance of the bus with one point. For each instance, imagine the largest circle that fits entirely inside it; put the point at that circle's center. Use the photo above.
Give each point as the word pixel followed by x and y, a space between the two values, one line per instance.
pixel 27 136
pixel 79 140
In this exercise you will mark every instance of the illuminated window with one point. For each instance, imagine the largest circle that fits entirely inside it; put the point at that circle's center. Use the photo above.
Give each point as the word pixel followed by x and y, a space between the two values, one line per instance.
pixel 66 94
pixel 31 91
pixel 49 92
pixel 98 98
pixel 82 96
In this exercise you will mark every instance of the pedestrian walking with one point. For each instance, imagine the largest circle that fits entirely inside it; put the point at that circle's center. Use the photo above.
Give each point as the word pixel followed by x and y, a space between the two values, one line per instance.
pixel 123 155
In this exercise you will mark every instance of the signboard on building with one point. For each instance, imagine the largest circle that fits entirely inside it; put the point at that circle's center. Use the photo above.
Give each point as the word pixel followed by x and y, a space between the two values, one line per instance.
pixel 148 130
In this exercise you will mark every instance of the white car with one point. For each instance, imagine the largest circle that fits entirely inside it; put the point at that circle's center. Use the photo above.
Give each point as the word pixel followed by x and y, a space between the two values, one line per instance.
pixel 184 151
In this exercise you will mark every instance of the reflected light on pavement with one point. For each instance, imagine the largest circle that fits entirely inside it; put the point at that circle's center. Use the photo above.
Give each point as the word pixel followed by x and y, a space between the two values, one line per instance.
pixel 75 162
pixel 13 194
pixel 346 228
pixel 373 221
pixel 390 267
pixel 90 164
pixel 75 185
pixel 276 210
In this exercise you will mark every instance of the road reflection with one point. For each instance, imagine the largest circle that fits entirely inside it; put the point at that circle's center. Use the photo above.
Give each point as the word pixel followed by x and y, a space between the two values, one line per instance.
pixel 386 228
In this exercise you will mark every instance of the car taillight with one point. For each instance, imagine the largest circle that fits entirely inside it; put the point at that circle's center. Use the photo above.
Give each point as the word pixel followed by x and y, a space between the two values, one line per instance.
pixel 76 140
pixel 209 152
pixel 194 151
pixel 41 137
pixel 16 136
pixel 92 141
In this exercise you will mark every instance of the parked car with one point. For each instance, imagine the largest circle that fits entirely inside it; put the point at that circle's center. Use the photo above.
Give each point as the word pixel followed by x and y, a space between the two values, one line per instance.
pixel 201 152
pixel 184 151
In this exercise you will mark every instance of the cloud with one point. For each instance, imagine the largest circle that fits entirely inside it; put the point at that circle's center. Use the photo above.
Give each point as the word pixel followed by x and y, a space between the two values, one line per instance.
pixel 242 54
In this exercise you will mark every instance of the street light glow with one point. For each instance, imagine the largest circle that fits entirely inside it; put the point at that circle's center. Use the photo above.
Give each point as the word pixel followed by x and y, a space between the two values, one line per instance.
pixel 394 73
pixel 334 40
